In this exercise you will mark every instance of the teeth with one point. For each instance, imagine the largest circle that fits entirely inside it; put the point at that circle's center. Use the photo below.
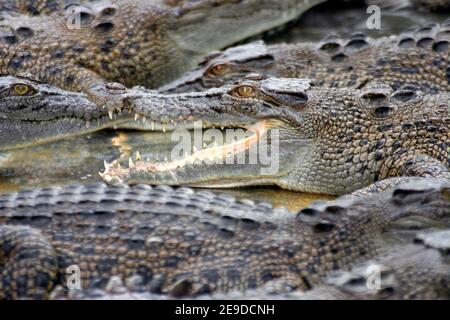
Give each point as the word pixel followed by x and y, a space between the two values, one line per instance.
pixel 88 124
pixel 152 125
pixel 130 163
pixel 173 175
pixel 165 159
pixel 136 117
pixel 164 127
pixel 138 156
pixel 144 119
pixel 204 145
pixel 110 114
pixel 107 165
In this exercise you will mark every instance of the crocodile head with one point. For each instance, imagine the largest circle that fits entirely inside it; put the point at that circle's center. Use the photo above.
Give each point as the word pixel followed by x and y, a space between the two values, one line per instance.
pixel 222 67
pixel 33 113
pixel 206 25
pixel 296 136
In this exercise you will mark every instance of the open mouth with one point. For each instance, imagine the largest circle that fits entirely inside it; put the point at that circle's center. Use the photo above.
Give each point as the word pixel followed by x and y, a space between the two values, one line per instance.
pixel 213 154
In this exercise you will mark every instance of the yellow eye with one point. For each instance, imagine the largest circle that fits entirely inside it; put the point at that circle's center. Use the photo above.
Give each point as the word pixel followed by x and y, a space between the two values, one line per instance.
pixel 219 69
pixel 245 91
pixel 21 89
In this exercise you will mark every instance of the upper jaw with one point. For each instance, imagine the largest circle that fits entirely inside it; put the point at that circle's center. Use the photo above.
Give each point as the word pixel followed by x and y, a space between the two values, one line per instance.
pixel 166 112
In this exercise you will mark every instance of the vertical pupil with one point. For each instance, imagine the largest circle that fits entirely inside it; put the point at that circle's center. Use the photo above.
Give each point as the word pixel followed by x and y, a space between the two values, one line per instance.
pixel 21 89
pixel 246 90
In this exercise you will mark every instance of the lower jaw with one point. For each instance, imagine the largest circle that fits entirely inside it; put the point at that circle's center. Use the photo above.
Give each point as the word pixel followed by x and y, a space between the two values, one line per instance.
pixel 219 184
pixel 72 127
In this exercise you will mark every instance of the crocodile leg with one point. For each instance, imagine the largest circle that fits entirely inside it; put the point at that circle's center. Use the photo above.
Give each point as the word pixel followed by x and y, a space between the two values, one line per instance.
pixel 397 171
pixel 28 263
pixel 420 166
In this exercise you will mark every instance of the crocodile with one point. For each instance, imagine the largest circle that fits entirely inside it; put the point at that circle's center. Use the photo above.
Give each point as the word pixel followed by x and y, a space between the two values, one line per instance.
pixel 309 139
pixel 103 47
pixel 32 113
pixel 185 243
pixel 419 57
pixel 409 270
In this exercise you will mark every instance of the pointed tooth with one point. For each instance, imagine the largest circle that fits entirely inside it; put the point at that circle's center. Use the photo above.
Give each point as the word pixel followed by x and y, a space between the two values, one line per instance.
pixel 204 145
pixel 164 127
pixel 130 163
pixel 138 156
pixel 107 165
pixel 136 117
pixel 165 159
pixel 152 125
pixel 144 119
pixel 88 124
pixel 222 127
pixel 195 149
pixel 111 114
pixel 173 175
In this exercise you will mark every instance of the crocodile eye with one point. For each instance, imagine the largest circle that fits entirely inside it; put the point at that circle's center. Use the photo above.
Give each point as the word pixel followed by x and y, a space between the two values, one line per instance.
pixel 219 69
pixel 22 89
pixel 245 91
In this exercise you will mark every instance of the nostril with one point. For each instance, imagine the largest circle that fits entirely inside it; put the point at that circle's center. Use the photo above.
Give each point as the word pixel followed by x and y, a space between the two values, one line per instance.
pixel 375 97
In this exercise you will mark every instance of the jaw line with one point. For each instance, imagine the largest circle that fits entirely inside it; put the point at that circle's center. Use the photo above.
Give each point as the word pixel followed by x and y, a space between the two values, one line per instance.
pixel 232 183
pixel 113 171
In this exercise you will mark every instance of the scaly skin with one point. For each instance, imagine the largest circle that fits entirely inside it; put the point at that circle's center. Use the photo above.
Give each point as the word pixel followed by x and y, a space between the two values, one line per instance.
pixel 32 113
pixel 185 243
pixel 404 271
pixel 419 57
pixel 331 141
pixel 34 7
pixel 122 43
